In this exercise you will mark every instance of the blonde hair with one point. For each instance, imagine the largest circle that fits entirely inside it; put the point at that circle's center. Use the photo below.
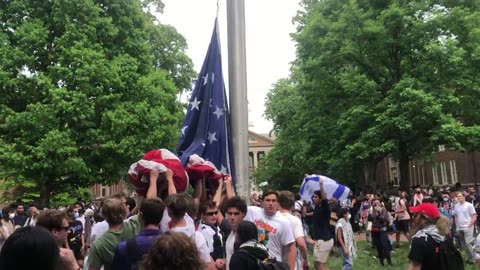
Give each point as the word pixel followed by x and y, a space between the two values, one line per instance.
pixel 443 225
pixel 113 211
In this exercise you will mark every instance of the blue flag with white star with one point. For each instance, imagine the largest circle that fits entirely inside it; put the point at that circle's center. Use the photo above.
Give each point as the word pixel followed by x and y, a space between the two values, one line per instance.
pixel 206 130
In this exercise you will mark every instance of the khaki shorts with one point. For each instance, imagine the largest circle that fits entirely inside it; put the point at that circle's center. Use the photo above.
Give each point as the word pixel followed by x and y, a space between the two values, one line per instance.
pixel 321 250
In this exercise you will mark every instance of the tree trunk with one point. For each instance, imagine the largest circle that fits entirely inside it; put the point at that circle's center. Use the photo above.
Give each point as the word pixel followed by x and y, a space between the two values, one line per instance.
pixel 360 176
pixel 372 169
pixel 44 195
pixel 404 167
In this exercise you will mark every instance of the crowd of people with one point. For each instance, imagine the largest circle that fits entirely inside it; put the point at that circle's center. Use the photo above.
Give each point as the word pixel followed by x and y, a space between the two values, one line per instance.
pixel 218 230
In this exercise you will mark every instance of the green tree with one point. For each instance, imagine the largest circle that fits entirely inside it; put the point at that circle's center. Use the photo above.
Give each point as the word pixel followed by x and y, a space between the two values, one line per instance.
pixel 86 87
pixel 378 78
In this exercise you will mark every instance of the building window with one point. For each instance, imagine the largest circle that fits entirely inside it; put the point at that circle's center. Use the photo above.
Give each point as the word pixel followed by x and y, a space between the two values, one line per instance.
pixel 251 139
pixel 104 190
pixel 435 174
pixel 261 155
pixel 453 171
pixel 250 160
pixel 443 171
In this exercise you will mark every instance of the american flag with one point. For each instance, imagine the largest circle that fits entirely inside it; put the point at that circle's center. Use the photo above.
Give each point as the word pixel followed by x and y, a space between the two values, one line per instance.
pixel 206 130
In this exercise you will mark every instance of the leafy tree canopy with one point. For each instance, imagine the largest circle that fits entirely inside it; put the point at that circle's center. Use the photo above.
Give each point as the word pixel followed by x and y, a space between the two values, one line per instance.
pixel 86 87
pixel 375 78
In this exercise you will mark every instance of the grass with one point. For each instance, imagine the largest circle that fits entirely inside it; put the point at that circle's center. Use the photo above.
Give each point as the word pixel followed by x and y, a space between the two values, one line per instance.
pixel 365 259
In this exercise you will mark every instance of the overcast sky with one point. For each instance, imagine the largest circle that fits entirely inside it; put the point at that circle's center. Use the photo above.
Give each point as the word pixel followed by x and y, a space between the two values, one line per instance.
pixel 269 46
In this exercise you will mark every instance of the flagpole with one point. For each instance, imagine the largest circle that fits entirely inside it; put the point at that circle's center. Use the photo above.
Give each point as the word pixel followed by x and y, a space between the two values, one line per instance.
pixel 237 76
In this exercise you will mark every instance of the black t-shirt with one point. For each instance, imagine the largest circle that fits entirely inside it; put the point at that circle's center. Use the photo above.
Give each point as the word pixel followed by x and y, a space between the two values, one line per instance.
pixel 321 222
pixel 423 252
pixel 75 231
pixel 19 220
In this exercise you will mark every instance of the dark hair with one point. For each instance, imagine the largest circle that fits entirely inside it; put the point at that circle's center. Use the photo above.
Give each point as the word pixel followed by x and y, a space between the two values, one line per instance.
pixel 70 209
pixel 246 230
pixel 342 212
pixel 152 211
pixel 206 205
pixel 28 248
pixel 20 203
pixel 131 203
pixel 318 193
pixel 172 251
pixel 51 219
pixel 32 205
pixel 269 192
pixel 177 205
pixel 192 209
pixel 79 204
pixel 236 202
pixel 5 211
pixel 286 199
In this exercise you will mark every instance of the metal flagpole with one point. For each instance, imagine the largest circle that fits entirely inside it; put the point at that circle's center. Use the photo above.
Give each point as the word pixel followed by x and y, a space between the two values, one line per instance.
pixel 237 75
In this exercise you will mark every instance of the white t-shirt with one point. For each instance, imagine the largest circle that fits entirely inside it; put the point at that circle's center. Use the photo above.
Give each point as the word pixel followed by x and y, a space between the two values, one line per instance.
pixel 295 224
pixel 200 242
pixel 463 214
pixel 229 248
pixel 298 205
pixel 274 231
pixel 164 223
pixel 98 230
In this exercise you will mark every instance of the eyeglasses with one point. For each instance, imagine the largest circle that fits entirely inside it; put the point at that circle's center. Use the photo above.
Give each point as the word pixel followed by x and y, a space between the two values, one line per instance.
pixel 233 213
pixel 211 213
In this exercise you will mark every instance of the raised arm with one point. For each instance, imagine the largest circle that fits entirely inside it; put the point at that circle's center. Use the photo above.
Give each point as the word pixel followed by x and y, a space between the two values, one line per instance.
pixel 229 186
pixel 152 188
pixel 322 190
pixel 171 186
pixel 218 194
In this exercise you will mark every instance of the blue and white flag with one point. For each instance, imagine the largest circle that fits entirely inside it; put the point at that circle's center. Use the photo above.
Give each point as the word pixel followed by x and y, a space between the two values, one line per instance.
pixel 311 183
pixel 206 130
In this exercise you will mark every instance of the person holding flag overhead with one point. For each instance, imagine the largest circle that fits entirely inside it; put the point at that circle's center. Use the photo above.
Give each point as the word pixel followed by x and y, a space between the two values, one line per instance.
pixel 332 188
pixel 322 238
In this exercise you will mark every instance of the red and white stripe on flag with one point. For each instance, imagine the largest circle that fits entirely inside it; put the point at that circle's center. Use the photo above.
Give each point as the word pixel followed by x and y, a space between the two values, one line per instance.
pixel 161 160
pixel 198 168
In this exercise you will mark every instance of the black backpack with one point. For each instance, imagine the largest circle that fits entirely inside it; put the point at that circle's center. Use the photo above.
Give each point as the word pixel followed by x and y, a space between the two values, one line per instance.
pixel 267 264
pixel 450 258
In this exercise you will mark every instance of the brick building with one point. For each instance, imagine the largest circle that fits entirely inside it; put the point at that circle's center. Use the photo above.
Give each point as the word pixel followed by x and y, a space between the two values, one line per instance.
pixel 443 168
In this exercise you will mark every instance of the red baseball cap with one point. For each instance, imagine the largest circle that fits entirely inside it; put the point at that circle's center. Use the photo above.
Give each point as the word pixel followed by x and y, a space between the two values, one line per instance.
pixel 427 209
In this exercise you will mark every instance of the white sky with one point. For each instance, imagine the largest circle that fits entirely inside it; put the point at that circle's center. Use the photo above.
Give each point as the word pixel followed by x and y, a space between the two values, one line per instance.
pixel 269 46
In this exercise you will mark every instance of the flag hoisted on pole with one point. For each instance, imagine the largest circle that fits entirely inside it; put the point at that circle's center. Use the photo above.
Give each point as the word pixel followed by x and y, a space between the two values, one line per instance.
pixel 237 76
pixel 206 129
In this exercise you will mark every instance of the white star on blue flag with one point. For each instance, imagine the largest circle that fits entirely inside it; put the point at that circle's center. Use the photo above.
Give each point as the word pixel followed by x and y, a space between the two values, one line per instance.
pixel 205 132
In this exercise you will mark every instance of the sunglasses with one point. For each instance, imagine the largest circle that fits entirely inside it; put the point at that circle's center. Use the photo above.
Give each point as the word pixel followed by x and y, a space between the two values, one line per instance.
pixel 211 213
pixel 63 228
pixel 233 213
